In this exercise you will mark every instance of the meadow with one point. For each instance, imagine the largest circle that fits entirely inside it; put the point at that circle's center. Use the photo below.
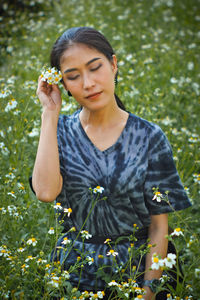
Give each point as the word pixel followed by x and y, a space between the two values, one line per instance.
pixel 157 46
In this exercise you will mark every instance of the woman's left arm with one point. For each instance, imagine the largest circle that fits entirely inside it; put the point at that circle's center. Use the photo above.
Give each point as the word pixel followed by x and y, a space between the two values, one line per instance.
pixel 158 229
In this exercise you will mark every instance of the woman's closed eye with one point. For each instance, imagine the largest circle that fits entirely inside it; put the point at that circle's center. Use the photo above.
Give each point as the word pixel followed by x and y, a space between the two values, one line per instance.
pixel 96 68
pixel 92 70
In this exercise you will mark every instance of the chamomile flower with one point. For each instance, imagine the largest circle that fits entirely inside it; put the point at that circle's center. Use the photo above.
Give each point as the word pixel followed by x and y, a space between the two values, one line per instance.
pixel 11 105
pixel 68 211
pixel 85 234
pixel 66 241
pixel 32 242
pixel 177 232
pixel 112 252
pixel 58 206
pixel 157 262
pixel 51 231
pixel 98 189
pixel 170 260
pixel 158 196
pixel 90 260
pixel 113 283
pixel 51 76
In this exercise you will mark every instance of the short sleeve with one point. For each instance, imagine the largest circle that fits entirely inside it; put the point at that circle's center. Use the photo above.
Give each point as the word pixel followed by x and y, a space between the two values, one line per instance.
pixel 162 174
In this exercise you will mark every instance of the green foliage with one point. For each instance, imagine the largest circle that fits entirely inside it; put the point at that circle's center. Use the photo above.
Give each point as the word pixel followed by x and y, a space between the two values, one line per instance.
pixel 157 45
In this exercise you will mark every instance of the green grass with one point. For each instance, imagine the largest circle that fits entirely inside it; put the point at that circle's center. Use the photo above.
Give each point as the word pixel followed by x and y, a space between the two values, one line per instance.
pixel 157 45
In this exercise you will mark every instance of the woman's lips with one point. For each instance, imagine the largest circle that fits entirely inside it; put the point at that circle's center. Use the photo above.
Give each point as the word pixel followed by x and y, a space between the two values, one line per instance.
pixel 94 96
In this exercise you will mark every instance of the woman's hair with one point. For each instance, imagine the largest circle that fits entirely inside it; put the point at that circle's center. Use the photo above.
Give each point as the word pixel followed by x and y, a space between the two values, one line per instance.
pixel 87 36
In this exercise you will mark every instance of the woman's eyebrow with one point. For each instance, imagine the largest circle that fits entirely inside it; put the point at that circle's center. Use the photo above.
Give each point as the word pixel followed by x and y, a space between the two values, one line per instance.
pixel 88 63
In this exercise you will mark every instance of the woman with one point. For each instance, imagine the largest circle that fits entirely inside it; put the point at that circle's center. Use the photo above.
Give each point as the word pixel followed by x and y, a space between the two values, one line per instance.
pixel 102 145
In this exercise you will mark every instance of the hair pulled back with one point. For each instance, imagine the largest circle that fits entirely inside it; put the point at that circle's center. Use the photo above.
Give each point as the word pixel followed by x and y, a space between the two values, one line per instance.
pixel 87 36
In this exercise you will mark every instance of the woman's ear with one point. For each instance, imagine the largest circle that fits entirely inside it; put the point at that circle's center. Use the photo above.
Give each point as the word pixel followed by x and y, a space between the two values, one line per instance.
pixel 114 64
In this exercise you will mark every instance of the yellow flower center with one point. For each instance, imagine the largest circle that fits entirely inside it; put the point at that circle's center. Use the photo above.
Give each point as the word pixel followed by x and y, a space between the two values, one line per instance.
pixel 156 260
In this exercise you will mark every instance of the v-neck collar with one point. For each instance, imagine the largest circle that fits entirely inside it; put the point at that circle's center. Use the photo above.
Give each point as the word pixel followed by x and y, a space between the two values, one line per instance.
pixel 110 148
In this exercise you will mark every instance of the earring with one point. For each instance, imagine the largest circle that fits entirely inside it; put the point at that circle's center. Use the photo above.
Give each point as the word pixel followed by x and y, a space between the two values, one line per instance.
pixel 69 94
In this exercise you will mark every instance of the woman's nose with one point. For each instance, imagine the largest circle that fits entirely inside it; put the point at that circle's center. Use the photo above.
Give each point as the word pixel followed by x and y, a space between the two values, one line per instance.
pixel 88 81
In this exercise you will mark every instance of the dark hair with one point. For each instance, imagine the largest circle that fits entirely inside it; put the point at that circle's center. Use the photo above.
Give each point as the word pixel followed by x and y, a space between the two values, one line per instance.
pixel 84 35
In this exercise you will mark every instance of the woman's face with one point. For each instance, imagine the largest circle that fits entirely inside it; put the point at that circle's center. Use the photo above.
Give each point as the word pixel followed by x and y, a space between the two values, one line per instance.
pixel 89 76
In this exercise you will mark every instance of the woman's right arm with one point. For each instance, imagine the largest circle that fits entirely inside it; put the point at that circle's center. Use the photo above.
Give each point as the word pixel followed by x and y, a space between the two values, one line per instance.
pixel 46 179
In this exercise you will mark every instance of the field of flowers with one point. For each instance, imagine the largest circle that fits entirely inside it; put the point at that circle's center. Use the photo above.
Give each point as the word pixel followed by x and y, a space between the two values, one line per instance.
pixel 157 45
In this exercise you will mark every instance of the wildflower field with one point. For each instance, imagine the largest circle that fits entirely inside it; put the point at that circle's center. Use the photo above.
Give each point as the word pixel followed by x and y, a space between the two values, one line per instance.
pixel 157 46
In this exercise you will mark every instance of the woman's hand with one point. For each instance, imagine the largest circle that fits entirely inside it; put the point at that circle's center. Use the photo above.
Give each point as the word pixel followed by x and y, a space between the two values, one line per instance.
pixel 49 96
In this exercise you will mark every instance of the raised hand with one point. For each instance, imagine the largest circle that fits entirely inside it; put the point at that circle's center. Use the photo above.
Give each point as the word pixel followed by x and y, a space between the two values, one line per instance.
pixel 49 96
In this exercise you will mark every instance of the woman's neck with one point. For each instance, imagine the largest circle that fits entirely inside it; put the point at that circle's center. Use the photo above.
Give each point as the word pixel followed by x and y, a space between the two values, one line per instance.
pixel 102 118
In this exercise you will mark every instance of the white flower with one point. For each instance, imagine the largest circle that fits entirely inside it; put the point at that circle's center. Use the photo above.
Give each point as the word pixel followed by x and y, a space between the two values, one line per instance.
pixel 173 80
pixel 158 196
pixel 41 261
pixel 54 282
pixel 51 76
pixel 100 294
pixel 11 105
pixel 20 249
pixel 4 252
pixel 66 241
pixel 98 189
pixel 85 234
pixel 197 273
pixel 34 132
pixel 4 94
pixel 51 230
pixel 65 274
pixel 90 260
pixel 170 260
pixel 157 262
pixel 68 211
pixel 30 257
pixel 12 194
pixel 112 252
pixel 190 66
pixel 32 242
pixel 177 232
pixel 58 206
pixel 113 283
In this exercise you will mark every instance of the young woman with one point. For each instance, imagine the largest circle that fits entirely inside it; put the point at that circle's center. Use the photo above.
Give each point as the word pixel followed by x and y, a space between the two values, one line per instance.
pixel 102 145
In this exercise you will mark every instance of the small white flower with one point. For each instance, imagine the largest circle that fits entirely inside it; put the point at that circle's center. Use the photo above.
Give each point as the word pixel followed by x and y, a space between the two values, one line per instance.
pixel 32 242
pixel 90 260
pixel 66 241
pixel 98 189
pixel 51 76
pixel 12 194
pixel 85 234
pixel 197 273
pixel 177 232
pixel 170 260
pixel 58 206
pixel 11 105
pixel 65 274
pixel 173 80
pixel 51 231
pixel 30 257
pixel 100 294
pixel 68 211
pixel 190 66
pixel 156 262
pixel 112 252
pixel 113 283
pixel 158 196
pixel 20 249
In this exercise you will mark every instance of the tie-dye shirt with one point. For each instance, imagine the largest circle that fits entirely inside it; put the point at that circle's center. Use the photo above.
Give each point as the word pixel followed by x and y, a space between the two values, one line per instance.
pixel 139 160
